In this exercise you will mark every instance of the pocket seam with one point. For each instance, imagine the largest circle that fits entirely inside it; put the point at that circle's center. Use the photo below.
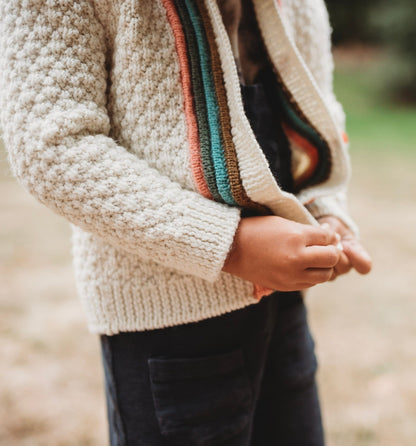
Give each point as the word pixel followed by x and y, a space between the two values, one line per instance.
pixel 156 365
pixel 182 426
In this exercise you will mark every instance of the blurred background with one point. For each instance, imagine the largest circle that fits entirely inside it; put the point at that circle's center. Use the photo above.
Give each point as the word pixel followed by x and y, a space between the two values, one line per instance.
pixel 364 327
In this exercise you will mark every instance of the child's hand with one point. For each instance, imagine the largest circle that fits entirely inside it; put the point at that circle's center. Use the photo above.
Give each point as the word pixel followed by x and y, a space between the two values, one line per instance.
pixel 281 254
pixel 354 255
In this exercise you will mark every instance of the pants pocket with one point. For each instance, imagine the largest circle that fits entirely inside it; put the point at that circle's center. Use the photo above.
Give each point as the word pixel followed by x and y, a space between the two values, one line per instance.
pixel 201 401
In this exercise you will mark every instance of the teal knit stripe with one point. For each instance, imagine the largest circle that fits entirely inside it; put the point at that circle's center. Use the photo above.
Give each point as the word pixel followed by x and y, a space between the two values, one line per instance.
pixel 199 101
pixel 217 150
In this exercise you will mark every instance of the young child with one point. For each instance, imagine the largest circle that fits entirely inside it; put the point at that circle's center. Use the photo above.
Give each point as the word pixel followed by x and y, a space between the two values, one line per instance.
pixel 193 145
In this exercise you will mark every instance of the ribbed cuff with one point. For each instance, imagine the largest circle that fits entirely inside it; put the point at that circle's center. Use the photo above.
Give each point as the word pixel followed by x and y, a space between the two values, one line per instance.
pixel 205 232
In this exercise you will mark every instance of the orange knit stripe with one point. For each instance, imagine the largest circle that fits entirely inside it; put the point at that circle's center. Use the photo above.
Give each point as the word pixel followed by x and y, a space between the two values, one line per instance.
pixel 310 150
pixel 193 136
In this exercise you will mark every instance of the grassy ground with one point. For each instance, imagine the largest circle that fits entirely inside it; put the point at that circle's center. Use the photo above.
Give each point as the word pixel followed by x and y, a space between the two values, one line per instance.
pixel 50 375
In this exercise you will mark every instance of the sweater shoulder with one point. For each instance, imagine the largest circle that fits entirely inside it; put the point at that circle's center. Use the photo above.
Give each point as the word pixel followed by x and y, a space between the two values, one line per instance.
pixel 309 26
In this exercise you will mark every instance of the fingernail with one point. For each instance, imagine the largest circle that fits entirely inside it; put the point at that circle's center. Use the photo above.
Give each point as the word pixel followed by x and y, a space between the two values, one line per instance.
pixel 340 247
pixel 326 226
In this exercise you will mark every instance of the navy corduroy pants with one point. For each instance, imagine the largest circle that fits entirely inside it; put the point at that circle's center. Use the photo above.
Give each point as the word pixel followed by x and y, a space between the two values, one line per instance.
pixel 243 378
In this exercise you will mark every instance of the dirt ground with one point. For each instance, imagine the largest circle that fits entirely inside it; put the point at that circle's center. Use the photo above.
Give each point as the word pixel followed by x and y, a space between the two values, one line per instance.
pixel 364 327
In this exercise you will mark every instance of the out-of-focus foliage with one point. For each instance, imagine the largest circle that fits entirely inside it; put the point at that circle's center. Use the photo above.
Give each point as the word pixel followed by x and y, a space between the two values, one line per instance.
pixel 351 20
pixel 396 24
pixel 381 22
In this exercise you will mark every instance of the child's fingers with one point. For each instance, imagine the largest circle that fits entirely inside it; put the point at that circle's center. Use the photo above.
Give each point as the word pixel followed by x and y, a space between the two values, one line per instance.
pixel 318 275
pixel 321 256
pixel 358 256
pixel 322 235
pixel 343 265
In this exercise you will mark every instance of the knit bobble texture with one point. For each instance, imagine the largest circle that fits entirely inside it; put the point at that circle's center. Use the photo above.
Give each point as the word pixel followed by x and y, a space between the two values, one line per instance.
pixel 92 111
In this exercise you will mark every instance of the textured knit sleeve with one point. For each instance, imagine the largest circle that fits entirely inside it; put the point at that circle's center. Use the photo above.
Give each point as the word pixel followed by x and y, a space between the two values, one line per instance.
pixel 311 32
pixel 56 127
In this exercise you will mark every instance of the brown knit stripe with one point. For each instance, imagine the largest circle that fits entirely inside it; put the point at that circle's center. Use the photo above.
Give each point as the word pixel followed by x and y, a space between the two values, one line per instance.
pixel 237 189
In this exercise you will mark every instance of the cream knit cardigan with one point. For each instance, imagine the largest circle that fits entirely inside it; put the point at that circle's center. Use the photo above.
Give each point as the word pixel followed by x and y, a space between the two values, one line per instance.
pixel 92 111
